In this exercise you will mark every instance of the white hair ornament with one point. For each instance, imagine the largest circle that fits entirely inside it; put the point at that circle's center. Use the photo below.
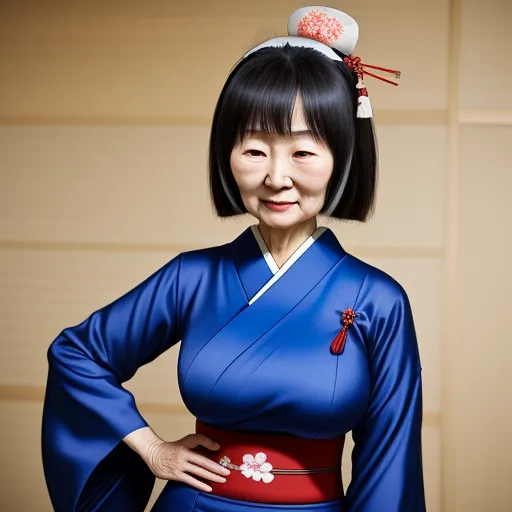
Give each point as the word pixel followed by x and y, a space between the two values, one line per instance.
pixel 322 29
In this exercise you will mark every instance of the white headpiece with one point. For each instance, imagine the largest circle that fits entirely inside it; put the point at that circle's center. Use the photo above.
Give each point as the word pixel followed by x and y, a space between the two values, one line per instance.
pixel 323 28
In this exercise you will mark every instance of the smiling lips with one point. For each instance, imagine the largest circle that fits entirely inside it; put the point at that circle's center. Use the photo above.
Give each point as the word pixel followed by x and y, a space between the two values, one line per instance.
pixel 278 206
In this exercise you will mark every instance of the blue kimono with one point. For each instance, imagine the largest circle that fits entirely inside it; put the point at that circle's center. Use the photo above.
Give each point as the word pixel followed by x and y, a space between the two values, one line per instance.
pixel 254 355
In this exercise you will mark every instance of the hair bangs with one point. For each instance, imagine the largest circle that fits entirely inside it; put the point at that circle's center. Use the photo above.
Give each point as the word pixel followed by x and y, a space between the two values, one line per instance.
pixel 266 100
pixel 267 95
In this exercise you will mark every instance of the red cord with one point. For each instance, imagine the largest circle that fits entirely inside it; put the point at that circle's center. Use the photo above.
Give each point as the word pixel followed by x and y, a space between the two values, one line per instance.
pixel 357 66
pixel 380 78
pixel 393 71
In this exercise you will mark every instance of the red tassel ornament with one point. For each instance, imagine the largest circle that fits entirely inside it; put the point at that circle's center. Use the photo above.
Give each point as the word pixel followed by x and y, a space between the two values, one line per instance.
pixel 338 343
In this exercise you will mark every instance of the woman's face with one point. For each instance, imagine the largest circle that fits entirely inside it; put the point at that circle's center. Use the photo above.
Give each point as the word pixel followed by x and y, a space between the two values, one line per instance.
pixel 283 180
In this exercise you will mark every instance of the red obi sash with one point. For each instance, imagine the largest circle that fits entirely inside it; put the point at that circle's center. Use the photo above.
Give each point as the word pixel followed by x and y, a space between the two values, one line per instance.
pixel 275 467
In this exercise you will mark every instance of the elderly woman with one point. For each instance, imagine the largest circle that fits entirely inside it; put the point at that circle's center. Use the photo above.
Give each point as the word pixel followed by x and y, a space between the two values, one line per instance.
pixel 287 341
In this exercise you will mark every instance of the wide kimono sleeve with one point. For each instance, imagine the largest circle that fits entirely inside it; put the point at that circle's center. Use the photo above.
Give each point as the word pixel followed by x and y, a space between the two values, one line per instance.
pixel 87 412
pixel 387 472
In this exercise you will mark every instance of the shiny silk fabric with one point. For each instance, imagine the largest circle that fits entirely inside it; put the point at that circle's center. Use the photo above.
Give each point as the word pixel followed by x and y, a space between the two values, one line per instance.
pixel 262 367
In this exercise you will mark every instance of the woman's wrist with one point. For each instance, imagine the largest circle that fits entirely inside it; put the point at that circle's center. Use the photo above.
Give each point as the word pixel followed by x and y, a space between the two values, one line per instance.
pixel 143 441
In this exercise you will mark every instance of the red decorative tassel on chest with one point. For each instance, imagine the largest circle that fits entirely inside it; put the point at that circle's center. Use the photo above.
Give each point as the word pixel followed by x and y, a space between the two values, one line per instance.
pixel 338 343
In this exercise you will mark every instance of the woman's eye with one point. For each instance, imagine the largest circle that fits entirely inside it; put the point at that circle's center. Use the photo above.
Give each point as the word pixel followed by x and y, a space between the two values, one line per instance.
pixel 254 152
pixel 302 154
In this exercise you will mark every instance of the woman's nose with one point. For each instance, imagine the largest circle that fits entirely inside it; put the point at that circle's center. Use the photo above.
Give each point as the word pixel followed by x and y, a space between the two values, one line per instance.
pixel 279 174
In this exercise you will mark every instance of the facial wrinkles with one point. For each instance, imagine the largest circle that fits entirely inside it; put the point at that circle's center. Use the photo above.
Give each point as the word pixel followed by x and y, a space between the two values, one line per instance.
pixel 299 159
pixel 273 167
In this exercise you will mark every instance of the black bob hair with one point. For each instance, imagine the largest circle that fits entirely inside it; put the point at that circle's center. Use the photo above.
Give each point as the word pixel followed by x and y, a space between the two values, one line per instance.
pixel 261 91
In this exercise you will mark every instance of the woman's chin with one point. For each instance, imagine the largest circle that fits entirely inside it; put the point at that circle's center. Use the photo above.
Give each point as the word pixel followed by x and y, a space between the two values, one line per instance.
pixel 280 220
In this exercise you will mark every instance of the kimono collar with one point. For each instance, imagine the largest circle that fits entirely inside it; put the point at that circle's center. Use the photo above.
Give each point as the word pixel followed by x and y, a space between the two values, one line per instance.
pixel 274 268
pixel 257 269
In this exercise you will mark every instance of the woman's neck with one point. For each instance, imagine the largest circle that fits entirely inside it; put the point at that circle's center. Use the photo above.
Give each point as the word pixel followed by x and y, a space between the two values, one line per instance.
pixel 282 243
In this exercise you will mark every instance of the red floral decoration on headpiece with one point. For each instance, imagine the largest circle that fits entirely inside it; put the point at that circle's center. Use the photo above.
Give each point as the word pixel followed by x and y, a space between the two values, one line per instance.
pixel 318 25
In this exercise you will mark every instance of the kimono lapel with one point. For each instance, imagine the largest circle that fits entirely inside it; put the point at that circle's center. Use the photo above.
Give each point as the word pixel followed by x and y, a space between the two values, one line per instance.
pixel 255 266
pixel 256 320
pixel 292 287
pixel 250 265
pixel 279 272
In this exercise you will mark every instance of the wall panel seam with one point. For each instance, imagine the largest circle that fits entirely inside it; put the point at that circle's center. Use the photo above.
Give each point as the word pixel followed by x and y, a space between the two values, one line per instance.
pixel 124 247
pixel 449 341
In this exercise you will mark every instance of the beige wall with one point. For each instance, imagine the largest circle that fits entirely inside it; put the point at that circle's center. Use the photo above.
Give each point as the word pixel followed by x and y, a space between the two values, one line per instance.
pixel 104 120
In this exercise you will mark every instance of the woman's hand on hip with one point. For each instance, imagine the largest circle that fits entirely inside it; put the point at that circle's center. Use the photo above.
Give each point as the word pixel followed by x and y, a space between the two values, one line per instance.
pixel 177 460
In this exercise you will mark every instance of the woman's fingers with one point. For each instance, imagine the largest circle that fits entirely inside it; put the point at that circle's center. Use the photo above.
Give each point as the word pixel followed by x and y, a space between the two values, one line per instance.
pixel 178 461
pixel 206 463
pixel 168 460
pixel 203 473
pixel 190 480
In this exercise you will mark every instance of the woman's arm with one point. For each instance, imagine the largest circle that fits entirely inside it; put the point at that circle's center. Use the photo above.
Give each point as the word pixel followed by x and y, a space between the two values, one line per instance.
pixel 387 473
pixel 87 411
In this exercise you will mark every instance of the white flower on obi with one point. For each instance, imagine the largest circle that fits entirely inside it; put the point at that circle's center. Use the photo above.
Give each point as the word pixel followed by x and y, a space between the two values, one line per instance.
pixel 257 467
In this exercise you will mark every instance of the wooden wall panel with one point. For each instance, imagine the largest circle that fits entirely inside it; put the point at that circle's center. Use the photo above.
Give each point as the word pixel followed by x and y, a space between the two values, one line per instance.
pixel 483 378
pixel 42 292
pixel 129 184
pixel 148 185
pixel 409 211
pixel 96 61
pixel 485 49
pixel 22 486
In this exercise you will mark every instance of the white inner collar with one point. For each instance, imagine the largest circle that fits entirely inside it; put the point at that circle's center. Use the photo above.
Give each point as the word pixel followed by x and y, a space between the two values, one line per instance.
pixel 274 268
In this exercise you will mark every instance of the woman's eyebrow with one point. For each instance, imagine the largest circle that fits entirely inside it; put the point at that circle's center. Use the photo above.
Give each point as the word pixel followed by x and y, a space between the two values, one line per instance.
pixel 296 133
pixel 301 132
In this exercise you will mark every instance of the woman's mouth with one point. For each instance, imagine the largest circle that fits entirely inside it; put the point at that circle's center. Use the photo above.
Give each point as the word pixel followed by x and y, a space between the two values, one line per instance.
pixel 278 206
